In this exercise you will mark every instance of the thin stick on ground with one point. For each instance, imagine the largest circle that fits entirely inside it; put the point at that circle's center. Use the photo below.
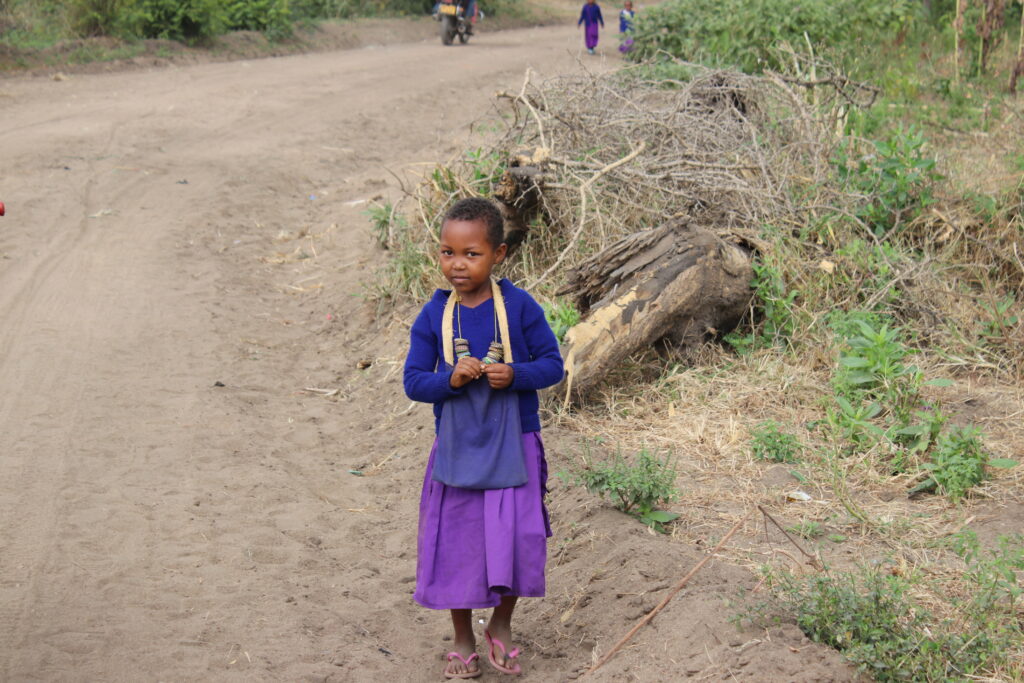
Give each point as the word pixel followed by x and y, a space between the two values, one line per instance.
pixel 671 594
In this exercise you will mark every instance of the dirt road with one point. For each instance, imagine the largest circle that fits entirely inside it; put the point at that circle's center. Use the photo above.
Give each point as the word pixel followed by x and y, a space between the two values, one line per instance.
pixel 184 253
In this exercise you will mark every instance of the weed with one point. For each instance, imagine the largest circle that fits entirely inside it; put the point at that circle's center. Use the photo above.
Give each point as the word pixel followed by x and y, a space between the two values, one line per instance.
pixel 773 310
pixel 808 529
pixel 958 463
pixel 998 329
pixel 774 445
pixel 562 315
pixel 385 223
pixel 895 178
pixel 636 487
pixel 869 616
pixel 995 575
pixel 871 369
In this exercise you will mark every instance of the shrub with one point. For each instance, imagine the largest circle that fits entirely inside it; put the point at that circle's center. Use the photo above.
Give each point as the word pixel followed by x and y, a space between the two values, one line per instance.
pixel 637 487
pixel 958 463
pixel 743 32
pixel 869 616
pixel 102 17
pixel 272 17
pixel 562 316
pixel 191 21
pixel 774 445
pixel 775 320
pixel 895 179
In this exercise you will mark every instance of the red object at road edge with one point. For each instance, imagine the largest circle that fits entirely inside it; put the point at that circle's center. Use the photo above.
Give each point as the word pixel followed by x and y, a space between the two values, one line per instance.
pixel 1 208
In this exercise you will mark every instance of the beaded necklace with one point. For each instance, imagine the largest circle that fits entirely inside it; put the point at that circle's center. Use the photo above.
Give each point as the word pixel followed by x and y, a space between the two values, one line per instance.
pixel 495 353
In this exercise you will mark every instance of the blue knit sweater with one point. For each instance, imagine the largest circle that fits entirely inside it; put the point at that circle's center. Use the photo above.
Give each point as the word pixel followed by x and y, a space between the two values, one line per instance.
pixel 537 361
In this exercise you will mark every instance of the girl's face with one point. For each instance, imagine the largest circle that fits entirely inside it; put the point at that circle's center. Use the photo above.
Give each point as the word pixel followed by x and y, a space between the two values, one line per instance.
pixel 467 258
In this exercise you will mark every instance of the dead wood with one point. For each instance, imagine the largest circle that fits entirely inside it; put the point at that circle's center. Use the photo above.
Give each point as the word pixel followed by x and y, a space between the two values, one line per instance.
pixel 519 194
pixel 677 281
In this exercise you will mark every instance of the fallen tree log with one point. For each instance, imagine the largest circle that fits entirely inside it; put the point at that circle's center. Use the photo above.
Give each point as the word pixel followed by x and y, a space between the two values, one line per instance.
pixel 676 281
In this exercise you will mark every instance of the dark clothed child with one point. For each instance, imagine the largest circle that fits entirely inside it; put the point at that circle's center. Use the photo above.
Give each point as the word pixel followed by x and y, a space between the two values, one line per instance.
pixel 481 547
pixel 590 18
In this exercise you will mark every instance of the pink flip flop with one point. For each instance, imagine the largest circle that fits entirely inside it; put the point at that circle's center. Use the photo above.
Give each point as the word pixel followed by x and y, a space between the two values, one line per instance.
pixel 492 643
pixel 465 660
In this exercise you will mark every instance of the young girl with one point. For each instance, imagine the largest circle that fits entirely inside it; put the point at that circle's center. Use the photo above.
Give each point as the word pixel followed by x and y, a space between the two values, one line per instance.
pixel 626 17
pixel 479 353
pixel 590 17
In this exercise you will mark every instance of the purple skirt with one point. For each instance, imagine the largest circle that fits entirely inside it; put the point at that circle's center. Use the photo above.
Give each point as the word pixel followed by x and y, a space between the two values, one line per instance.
pixel 475 547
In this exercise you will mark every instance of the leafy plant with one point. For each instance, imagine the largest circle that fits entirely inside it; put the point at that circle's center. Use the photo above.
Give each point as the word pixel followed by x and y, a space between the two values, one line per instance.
pixel 272 17
pixel 895 179
pixel 774 445
pixel 994 573
pixel 958 463
pixel 871 368
pixel 998 329
pixel 385 223
pixel 743 32
pixel 807 529
pixel 187 20
pixel 636 487
pixel 562 315
pixel 869 616
pixel 853 424
pixel 102 17
pixel 775 319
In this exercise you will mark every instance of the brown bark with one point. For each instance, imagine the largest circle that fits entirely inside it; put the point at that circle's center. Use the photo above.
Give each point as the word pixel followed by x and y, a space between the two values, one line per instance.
pixel 676 281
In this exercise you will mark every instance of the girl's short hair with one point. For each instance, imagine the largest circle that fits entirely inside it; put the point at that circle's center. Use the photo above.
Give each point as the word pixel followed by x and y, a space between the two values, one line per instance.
pixel 479 209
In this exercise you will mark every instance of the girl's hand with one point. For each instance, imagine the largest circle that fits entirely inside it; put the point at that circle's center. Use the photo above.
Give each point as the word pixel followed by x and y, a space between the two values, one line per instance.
pixel 499 375
pixel 466 370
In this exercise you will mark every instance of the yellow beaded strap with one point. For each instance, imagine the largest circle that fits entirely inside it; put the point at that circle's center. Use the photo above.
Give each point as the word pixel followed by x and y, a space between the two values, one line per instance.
pixel 448 323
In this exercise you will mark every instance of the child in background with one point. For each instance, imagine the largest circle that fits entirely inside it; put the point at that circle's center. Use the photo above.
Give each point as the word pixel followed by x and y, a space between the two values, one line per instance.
pixel 590 17
pixel 479 353
pixel 626 17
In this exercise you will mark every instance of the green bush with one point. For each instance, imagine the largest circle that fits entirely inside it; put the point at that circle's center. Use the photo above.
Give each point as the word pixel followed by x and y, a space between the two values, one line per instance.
pixel 774 319
pixel 869 616
pixel 895 179
pixel 637 487
pixel 562 315
pixel 959 461
pixel 774 445
pixel 191 21
pixel 743 33
pixel 102 17
pixel 268 16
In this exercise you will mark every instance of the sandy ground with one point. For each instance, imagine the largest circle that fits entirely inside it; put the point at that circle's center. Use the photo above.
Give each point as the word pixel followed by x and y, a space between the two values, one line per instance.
pixel 184 253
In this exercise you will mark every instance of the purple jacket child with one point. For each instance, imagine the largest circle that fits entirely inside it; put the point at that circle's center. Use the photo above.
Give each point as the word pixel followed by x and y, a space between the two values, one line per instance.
pixel 590 17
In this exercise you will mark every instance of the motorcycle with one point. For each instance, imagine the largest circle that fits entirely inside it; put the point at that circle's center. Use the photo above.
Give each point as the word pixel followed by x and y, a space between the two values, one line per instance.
pixel 456 20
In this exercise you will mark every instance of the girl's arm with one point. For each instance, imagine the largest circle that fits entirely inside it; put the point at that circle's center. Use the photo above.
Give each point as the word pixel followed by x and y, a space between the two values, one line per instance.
pixel 599 17
pixel 545 366
pixel 583 13
pixel 426 379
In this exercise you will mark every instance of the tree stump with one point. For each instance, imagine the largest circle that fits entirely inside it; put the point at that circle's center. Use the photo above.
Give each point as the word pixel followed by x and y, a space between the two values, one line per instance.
pixel 676 281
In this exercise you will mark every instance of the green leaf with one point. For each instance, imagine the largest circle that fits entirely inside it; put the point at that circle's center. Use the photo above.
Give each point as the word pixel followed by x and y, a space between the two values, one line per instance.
pixel 939 382
pixel 854 362
pixel 1002 463
pixel 661 516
